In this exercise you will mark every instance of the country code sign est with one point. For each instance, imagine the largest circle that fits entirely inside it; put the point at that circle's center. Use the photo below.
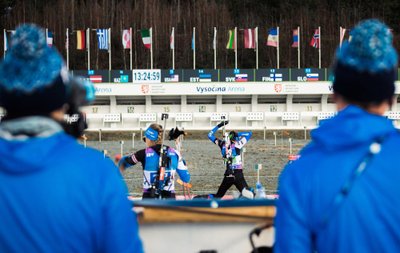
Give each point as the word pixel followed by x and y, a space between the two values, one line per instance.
pixel 146 76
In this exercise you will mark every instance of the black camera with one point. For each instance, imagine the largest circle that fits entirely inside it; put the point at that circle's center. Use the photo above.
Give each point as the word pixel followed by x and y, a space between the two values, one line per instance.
pixel 80 92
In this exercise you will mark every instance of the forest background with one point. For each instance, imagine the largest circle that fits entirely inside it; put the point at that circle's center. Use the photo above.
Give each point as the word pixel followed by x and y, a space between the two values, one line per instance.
pixel 162 15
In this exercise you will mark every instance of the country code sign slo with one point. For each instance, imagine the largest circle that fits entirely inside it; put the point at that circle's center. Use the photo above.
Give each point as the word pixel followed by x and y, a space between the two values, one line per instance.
pixel 308 75
pixel 146 76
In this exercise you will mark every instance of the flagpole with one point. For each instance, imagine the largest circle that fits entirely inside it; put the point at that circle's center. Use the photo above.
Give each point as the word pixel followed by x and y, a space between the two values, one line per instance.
pixel 194 47
pixel 215 47
pixel 256 38
pixel 277 48
pixel 151 47
pixel 319 46
pixel 67 46
pixel 88 45
pixel 131 45
pixel 109 48
pixel 47 36
pixel 235 42
pixel 173 47
pixel 298 47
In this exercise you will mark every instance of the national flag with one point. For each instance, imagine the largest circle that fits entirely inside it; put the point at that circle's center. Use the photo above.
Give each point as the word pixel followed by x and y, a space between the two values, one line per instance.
pixel 102 38
pixel 146 38
pixel 342 33
pixel 49 38
pixel 66 39
pixel 124 78
pixel 96 78
pixel 126 38
pixel 241 78
pixel 5 40
pixel 173 78
pixel 204 77
pixel 250 38
pixel 272 39
pixel 315 41
pixel 295 38
pixel 80 39
pixel 312 76
pixel 231 42
pixel 193 39
pixel 215 39
pixel 276 77
pixel 172 39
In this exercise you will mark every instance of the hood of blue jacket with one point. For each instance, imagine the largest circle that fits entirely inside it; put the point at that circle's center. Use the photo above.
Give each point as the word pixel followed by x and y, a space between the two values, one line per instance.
pixel 24 156
pixel 352 126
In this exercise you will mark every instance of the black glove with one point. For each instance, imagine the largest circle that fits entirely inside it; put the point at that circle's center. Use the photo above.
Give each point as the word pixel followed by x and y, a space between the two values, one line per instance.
pixel 174 133
pixel 222 123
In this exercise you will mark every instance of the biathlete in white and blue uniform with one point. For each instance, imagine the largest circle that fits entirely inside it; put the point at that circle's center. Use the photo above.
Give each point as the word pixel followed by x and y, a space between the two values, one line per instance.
pixel 231 149
pixel 149 158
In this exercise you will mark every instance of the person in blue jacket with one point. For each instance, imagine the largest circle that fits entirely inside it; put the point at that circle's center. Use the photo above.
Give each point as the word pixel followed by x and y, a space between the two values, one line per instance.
pixel 231 148
pixel 155 186
pixel 342 194
pixel 55 195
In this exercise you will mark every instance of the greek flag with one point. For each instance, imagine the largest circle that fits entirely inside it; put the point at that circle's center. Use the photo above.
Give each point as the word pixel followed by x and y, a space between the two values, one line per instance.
pixel 102 37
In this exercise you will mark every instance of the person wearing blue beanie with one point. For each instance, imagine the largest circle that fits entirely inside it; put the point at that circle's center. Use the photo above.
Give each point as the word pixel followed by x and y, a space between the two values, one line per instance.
pixel 55 195
pixel 342 194
pixel 154 187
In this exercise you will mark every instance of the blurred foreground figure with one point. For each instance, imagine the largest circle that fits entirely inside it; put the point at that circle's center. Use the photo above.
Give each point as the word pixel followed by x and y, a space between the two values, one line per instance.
pixel 55 195
pixel 342 195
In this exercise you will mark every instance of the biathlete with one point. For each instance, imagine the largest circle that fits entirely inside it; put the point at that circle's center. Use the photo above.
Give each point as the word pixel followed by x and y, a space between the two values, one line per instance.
pixel 231 148
pixel 149 158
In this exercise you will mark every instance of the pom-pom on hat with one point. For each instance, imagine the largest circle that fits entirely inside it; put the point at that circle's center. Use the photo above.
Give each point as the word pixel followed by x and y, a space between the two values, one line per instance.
pixel 33 78
pixel 365 68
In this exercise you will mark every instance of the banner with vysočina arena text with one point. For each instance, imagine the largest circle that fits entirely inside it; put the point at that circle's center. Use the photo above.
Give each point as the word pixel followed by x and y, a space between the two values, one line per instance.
pixel 248 88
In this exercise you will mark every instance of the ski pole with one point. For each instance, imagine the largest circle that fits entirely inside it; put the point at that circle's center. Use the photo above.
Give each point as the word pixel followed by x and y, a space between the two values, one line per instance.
pixel 186 188
pixel 225 139
pixel 188 192
pixel 161 163
pixel 223 128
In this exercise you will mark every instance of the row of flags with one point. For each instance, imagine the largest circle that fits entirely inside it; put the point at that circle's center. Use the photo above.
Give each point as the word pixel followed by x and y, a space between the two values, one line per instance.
pixel 250 41
pixel 103 39
pixel 250 38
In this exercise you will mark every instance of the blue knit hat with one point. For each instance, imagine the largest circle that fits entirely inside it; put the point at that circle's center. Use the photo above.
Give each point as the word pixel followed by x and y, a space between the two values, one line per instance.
pixel 33 78
pixel 151 134
pixel 365 68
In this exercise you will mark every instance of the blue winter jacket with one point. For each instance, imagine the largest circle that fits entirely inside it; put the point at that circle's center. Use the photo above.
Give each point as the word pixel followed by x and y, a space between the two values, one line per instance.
pixel 368 219
pixel 57 196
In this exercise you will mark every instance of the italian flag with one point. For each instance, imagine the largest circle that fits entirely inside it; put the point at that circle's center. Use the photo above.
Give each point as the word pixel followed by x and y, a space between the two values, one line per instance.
pixel 231 41
pixel 146 37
